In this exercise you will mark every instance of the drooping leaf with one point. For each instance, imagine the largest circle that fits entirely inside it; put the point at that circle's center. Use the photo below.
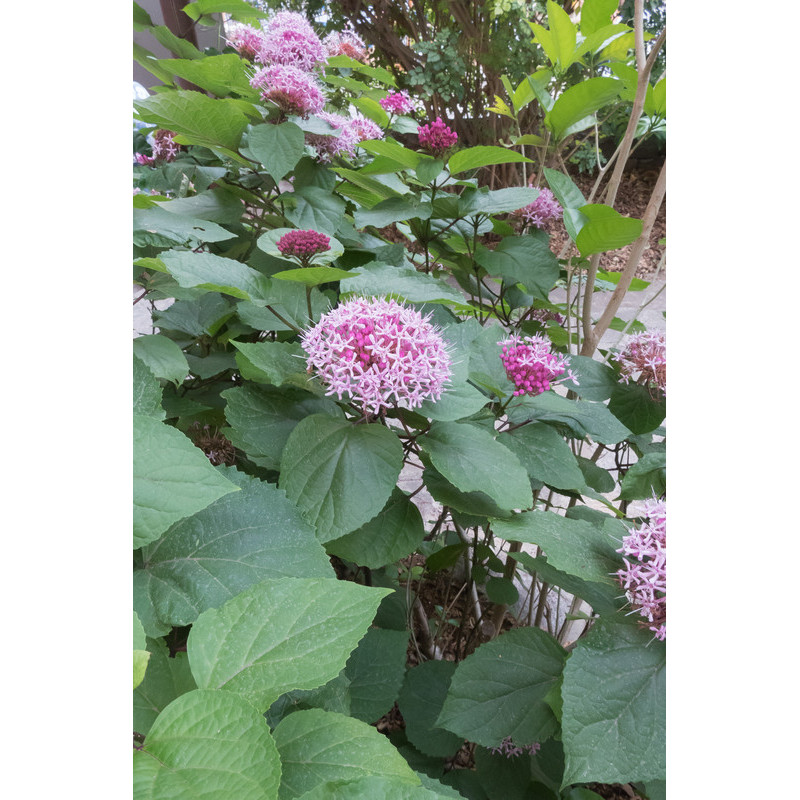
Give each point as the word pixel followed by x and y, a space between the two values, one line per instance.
pixel 636 408
pixel 499 690
pixel 325 465
pixel 161 228
pixel 239 540
pixel 280 634
pixel 393 209
pixel 221 75
pixel 647 477
pixel 606 230
pixel 472 460
pixel 483 156
pixel 403 283
pixel 163 357
pixel 421 699
pixel 396 531
pixel 614 716
pixel 262 417
pixel 595 381
pixel 146 391
pixel 277 147
pixel 275 363
pixel 580 101
pixel 207 744
pixel 318 746
pixel 172 479
pixel 316 209
pixel 166 678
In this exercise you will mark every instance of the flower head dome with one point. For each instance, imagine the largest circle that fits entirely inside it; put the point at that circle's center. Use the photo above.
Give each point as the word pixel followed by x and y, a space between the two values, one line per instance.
pixel 379 352
pixel 290 40
pixel 291 89
pixel 347 43
pixel 644 359
pixel 531 366
pixel 245 40
pixel 397 103
pixel 543 208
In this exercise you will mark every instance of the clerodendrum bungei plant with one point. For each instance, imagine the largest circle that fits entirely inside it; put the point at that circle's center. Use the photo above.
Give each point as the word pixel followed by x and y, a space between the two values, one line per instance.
pixel 380 472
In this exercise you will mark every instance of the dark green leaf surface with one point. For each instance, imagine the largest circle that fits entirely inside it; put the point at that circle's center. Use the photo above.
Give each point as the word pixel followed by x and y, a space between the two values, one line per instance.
pixel 545 455
pixel 146 391
pixel 325 466
pixel 523 259
pixel 277 147
pixel 241 539
pixel 483 156
pixel 499 690
pixel 275 363
pixel 647 477
pixel 403 283
pixel 636 408
pixel 163 357
pixel 614 719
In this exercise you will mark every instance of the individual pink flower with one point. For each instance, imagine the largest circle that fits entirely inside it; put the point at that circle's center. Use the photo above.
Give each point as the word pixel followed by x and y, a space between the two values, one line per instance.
pixel 379 353
pixel 644 577
pixel 644 359
pixel 290 40
pixel 364 128
pixel 543 208
pixel 397 103
pixel 245 40
pixel 436 137
pixel 291 89
pixel 508 749
pixel 531 366
pixel 164 147
pixel 347 43
pixel 303 245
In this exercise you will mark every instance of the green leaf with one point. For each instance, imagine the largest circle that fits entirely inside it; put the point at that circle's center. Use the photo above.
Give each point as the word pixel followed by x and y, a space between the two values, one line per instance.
pixel 499 201
pixel 566 192
pixel 289 300
pixel 395 532
pixel 393 209
pixel 172 479
pixel 214 205
pixel 483 156
pixel 207 744
pixel 262 417
pixel 345 62
pixel 140 654
pixel 407 159
pixel 563 32
pixel 634 406
pixel 596 381
pixel 316 209
pixel 238 9
pixel 428 169
pixel 377 279
pixel 221 75
pixel 146 391
pixel 163 357
pixel 606 230
pixel 375 669
pixel 371 109
pixel 372 786
pixel 472 460
pixel 216 274
pixel 614 719
pixel 313 276
pixel 459 400
pixel 475 504
pixel 421 699
pixel 200 119
pixel 319 746
pixel 275 363
pixel 545 455
pixel 499 690
pixel 207 314
pixel 366 183
pixel 325 465
pixel 502 590
pixel 648 476
pixel 578 102
pixel 158 227
pixel 583 418
pixel 572 545
pixel 525 259
pixel 177 45
pixel 595 14
pixel 166 678
pixel 280 634
pixel 277 147
pixel 239 540
pixel 141 19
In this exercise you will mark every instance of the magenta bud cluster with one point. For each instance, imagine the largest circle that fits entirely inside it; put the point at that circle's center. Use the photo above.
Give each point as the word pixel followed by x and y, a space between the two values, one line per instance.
pixel 436 137
pixel 644 577
pixel 397 103
pixel 379 352
pixel 530 365
pixel 303 244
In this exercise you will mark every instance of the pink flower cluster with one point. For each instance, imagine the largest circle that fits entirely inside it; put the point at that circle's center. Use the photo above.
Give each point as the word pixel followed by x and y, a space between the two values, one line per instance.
pixel 352 130
pixel 245 40
pixel 379 352
pixel 436 137
pixel 165 149
pixel 543 208
pixel 303 245
pixel 508 749
pixel 531 366
pixel 644 577
pixel 291 89
pixel 644 358
pixel 397 103
pixel 348 43
pixel 290 40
